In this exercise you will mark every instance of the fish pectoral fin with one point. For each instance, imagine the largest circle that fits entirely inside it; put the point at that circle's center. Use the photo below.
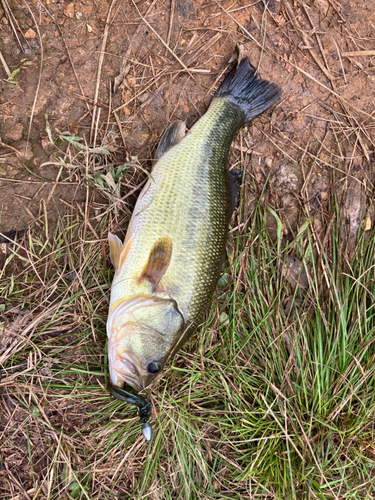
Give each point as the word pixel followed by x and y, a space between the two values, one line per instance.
pixel 125 251
pixel 115 246
pixel 172 136
pixel 118 251
pixel 158 262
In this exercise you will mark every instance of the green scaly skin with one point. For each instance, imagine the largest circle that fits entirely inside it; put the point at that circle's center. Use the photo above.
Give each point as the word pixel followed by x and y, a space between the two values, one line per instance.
pixel 187 199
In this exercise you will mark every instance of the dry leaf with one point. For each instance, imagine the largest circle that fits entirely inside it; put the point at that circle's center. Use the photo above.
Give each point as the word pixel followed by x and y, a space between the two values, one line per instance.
pixel 295 272
pixel 69 10
pixel 368 224
pixel 30 33
pixel 73 127
pixel 355 205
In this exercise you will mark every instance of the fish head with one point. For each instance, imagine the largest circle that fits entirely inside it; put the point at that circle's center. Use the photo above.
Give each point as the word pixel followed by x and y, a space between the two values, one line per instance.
pixel 141 335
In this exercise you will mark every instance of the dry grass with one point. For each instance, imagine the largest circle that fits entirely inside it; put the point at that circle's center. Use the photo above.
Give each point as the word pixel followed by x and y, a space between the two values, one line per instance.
pixel 274 397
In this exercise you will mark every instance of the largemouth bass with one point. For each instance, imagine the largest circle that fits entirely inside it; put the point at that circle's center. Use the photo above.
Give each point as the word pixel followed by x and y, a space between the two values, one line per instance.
pixel 169 264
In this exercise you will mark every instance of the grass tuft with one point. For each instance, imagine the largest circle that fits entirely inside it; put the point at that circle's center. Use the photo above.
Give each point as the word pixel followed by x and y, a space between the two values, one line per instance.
pixel 272 398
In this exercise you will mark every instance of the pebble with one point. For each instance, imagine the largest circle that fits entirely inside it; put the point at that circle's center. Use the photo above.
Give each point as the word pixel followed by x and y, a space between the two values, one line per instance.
pixel 30 33
pixel 268 162
pixel 15 132
pixel 25 151
pixel 69 10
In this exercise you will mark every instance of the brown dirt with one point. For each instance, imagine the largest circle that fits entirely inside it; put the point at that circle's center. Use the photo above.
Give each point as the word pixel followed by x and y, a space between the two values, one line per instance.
pixel 300 47
pixel 309 144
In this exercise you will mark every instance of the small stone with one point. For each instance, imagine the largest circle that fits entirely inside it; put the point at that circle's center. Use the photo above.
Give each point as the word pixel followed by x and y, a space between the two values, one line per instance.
pixel 131 80
pixel 25 152
pixel 89 28
pixel 268 162
pixel 5 20
pixel 69 10
pixel 30 33
pixel 143 97
pixel 79 15
pixel 46 144
pixel 15 132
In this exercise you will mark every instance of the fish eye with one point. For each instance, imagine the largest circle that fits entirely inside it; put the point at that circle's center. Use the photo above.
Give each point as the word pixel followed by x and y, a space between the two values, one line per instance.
pixel 154 367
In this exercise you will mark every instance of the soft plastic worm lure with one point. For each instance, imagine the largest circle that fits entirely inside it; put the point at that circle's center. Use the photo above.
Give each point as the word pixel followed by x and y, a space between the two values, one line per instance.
pixel 140 402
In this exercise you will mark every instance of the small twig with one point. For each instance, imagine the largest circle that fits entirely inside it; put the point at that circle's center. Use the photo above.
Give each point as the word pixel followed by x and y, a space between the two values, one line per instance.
pixel 40 74
pixel 297 26
pixel 171 15
pixel 67 49
pixel 162 41
pixel 120 129
pixel 9 17
pixel 125 67
pixel 100 64
pixel 340 59
pixel 242 28
pixel 5 65
pixel 360 53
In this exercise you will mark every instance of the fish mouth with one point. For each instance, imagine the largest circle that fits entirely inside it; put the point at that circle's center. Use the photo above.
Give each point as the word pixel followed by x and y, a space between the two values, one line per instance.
pixel 125 370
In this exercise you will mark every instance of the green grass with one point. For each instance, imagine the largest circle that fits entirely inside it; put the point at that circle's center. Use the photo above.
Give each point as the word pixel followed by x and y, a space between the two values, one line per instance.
pixel 260 403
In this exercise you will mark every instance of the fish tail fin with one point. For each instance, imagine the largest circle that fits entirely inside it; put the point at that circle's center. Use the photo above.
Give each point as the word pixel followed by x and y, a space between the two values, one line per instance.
pixel 251 94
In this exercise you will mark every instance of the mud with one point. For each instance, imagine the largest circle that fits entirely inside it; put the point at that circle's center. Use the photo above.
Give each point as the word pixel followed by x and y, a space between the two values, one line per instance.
pixel 54 74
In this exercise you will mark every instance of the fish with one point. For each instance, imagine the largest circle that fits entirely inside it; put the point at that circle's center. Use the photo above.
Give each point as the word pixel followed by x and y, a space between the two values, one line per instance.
pixel 168 266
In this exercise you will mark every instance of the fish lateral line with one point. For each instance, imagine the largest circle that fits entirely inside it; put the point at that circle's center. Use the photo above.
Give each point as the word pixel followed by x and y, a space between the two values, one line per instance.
pixel 182 161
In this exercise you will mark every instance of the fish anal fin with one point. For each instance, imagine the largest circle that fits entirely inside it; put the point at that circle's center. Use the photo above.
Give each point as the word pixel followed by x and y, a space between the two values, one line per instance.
pixel 158 262
pixel 172 136
pixel 115 246
pixel 235 179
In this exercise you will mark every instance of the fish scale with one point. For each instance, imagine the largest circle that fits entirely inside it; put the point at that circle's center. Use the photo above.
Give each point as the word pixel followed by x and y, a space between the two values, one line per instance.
pixel 187 198
pixel 169 264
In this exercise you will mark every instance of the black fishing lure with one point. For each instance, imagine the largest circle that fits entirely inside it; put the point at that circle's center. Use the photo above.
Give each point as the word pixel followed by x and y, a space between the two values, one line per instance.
pixel 140 402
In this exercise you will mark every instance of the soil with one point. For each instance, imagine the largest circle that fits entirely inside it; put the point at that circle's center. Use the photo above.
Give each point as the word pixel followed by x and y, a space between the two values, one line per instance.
pixel 55 54
pixel 58 69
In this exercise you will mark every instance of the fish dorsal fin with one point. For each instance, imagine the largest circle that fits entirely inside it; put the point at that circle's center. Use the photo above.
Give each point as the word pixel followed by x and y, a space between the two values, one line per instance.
pixel 172 136
pixel 118 251
pixel 158 262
